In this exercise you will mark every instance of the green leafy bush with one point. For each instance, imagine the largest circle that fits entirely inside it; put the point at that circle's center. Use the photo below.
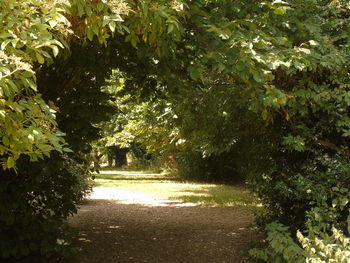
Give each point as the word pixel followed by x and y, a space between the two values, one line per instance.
pixel 326 248
pixel 35 203
pixel 36 199
pixel 311 248
pixel 280 247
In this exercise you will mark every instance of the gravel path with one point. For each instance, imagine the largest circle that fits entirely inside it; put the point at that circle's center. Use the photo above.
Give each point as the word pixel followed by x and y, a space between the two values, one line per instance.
pixel 120 226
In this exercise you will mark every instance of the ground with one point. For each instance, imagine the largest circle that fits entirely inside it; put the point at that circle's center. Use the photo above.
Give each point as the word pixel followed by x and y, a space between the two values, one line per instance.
pixel 136 221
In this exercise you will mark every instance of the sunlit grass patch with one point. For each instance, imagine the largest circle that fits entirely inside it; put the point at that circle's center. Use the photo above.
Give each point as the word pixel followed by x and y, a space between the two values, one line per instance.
pixel 113 175
pixel 163 187
pixel 220 195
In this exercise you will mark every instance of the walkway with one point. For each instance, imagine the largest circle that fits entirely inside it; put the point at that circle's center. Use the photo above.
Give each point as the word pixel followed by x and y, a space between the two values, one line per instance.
pixel 118 226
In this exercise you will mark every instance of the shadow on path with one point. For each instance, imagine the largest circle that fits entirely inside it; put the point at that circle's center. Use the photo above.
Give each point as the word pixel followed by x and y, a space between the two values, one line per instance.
pixel 168 232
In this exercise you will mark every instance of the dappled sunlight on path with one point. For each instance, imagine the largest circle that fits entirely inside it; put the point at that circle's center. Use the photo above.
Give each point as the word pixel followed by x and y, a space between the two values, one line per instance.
pixel 130 173
pixel 145 217
pixel 135 187
pixel 131 197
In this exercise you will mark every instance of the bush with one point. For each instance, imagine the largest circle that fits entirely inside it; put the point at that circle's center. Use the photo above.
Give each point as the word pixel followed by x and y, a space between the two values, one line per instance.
pixel 310 248
pixel 215 168
pixel 243 161
pixel 280 247
pixel 35 203
pixel 325 248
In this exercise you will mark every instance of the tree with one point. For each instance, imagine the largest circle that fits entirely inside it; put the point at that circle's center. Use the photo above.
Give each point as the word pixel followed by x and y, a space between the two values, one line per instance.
pixel 43 28
pixel 49 85
pixel 284 62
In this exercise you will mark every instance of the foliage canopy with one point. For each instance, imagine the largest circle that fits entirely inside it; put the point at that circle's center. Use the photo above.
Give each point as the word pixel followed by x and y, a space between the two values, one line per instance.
pixel 260 88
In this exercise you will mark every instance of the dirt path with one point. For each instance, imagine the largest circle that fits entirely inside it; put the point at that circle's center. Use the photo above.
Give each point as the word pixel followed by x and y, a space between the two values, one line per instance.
pixel 121 226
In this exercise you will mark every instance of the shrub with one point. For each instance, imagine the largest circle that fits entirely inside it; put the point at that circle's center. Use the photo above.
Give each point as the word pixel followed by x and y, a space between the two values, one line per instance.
pixel 280 247
pixel 326 248
pixel 310 248
pixel 35 203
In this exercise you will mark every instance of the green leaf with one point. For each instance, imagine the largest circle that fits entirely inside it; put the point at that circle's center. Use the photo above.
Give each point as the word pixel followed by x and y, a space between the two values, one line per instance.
pixel 67 150
pixel 105 21
pixel 256 76
pixel 90 34
pixel 279 11
pixel 31 84
pixel 100 6
pixel 264 114
pixel 134 40
pixel 80 9
pixel 39 58
pixel 95 29
pixel 170 28
pixel 194 72
pixel 5 141
pixel 12 85
pixel 10 162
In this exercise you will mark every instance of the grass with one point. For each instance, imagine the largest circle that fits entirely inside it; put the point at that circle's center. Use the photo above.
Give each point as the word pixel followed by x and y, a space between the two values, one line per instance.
pixel 165 187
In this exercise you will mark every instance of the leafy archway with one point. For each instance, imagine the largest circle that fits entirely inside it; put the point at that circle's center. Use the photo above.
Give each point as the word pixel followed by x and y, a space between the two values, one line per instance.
pixel 248 84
